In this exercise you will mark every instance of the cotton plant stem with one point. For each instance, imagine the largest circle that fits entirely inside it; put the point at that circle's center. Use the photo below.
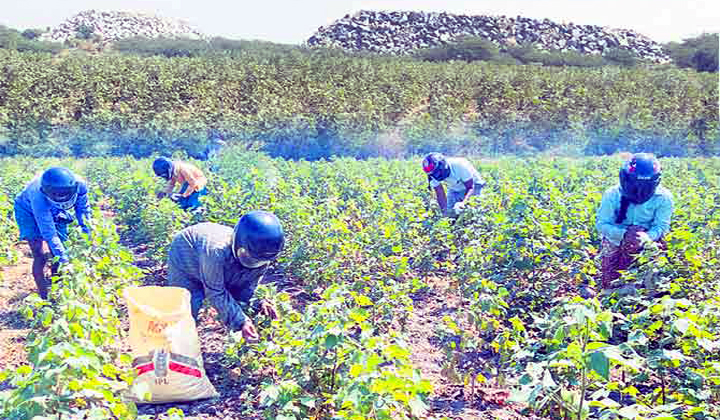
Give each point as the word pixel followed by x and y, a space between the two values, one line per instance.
pixel 586 338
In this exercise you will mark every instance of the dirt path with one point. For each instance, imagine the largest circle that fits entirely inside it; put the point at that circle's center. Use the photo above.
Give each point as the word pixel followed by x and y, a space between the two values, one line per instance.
pixel 449 399
pixel 15 284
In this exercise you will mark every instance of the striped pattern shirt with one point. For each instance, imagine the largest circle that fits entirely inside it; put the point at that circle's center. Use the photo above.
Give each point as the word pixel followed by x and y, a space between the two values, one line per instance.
pixel 203 252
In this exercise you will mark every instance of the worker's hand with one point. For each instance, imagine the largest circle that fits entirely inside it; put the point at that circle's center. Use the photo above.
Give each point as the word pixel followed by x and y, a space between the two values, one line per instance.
pixel 459 206
pixel 267 309
pixel 248 331
pixel 161 194
pixel 643 237
pixel 175 197
pixel 631 240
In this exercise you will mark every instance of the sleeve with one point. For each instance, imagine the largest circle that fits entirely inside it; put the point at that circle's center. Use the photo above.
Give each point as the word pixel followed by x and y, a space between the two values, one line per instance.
pixel 434 182
pixel 213 278
pixel 170 185
pixel 46 225
pixel 82 209
pixel 253 278
pixel 661 222
pixel 605 219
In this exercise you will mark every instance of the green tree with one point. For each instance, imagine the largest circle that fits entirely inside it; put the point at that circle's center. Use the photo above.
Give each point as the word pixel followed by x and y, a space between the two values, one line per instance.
pixel 699 53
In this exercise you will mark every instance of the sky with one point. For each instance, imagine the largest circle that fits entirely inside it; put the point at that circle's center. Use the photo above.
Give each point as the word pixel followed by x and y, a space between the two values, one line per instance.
pixel 292 22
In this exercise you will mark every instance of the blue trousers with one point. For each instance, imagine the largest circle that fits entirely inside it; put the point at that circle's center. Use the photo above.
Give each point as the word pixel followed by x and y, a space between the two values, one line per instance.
pixel 193 200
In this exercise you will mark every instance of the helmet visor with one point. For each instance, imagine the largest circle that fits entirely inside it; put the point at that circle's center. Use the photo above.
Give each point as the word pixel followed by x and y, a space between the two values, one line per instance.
pixel 247 260
pixel 639 191
pixel 441 172
pixel 62 197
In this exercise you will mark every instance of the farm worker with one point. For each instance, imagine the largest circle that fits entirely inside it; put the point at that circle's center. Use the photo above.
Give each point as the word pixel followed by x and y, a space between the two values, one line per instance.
pixel 225 265
pixel 42 212
pixel 191 179
pixel 632 214
pixel 461 176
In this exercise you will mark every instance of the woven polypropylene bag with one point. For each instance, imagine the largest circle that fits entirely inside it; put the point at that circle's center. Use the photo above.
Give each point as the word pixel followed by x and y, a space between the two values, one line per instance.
pixel 165 345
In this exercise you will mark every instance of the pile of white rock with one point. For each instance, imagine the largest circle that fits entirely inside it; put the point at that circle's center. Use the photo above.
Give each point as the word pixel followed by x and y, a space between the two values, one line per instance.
pixel 113 26
pixel 402 32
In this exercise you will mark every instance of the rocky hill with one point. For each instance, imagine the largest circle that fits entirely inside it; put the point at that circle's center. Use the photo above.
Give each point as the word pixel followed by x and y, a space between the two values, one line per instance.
pixel 402 32
pixel 113 26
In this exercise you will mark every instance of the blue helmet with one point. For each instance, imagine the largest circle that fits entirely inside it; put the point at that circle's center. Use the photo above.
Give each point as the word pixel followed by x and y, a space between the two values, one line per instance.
pixel 435 166
pixel 163 167
pixel 60 187
pixel 258 238
pixel 639 177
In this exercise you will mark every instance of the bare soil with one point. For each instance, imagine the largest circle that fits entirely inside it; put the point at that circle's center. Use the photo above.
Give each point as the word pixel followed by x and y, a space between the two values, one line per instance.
pixel 16 283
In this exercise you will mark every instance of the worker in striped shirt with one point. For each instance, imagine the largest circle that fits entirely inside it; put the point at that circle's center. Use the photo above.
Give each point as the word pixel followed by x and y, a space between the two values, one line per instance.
pixel 191 179
pixel 225 265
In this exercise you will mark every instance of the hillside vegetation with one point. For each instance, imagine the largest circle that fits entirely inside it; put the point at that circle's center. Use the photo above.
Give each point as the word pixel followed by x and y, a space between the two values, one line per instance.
pixel 141 95
pixel 322 103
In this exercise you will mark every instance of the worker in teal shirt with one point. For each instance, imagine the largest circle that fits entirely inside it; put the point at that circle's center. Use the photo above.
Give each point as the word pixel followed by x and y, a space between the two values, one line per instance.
pixel 631 214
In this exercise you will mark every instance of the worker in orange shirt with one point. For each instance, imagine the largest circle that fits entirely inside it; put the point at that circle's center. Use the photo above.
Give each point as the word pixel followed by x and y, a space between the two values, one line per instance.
pixel 191 179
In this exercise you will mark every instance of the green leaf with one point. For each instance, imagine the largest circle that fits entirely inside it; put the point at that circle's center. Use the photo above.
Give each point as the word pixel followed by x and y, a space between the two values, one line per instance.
pixel 363 300
pixel 331 341
pixel 47 318
pixel 604 403
pixel 355 370
pixel 600 364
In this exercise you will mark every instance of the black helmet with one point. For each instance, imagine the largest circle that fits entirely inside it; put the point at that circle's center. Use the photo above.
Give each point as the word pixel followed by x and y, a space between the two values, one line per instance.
pixel 639 177
pixel 163 167
pixel 436 166
pixel 60 187
pixel 257 239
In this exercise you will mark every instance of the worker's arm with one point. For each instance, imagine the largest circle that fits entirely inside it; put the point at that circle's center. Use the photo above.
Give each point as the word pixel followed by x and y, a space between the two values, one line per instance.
pixel 661 223
pixel 441 197
pixel 469 188
pixel 605 218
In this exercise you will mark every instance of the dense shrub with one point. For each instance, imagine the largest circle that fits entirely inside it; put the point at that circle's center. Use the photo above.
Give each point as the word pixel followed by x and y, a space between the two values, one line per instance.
pixel 699 53
pixel 465 49
pixel 11 39
pixel 480 49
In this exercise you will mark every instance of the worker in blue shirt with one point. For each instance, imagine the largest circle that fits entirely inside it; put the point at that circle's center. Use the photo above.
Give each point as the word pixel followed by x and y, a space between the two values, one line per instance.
pixel 632 214
pixel 43 213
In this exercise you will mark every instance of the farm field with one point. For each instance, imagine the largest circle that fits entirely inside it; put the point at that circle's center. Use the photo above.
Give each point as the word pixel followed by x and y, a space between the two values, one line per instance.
pixel 389 311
